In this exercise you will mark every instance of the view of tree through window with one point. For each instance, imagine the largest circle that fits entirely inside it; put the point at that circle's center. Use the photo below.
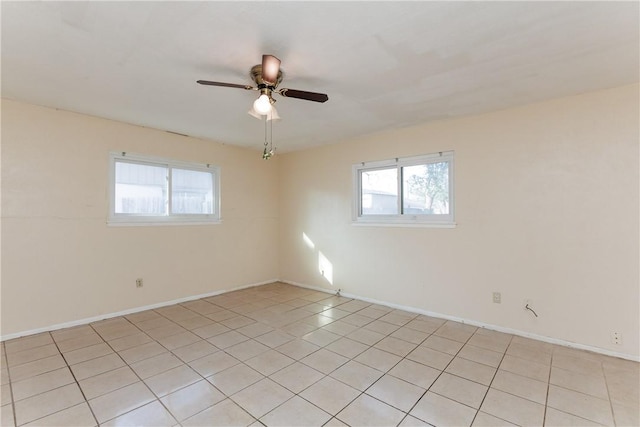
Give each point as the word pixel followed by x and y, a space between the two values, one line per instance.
pixel 417 189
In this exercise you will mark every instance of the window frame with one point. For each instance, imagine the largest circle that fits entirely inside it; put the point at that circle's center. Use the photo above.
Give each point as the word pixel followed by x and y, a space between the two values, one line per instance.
pixel 400 219
pixel 123 219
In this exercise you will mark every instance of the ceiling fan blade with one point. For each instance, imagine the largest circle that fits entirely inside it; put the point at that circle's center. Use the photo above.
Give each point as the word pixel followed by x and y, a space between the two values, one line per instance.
pixel 301 94
pixel 209 83
pixel 270 69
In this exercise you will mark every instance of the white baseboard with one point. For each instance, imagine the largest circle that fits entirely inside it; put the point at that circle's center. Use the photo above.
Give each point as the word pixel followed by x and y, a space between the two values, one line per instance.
pixel 329 291
pixel 524 334
pixel 126 312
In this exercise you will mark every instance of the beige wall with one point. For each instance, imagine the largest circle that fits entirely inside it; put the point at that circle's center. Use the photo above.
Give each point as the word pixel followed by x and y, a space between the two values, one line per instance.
pixel 546 209
pixel 62 263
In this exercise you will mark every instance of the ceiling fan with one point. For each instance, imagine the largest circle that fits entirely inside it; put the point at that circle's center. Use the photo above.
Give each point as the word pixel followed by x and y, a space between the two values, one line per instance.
pixel 267 76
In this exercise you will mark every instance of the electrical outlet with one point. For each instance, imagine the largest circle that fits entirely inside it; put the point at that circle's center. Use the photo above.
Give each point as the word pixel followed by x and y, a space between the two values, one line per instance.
pixel 497 297
pixel 616 338
pixel 139 283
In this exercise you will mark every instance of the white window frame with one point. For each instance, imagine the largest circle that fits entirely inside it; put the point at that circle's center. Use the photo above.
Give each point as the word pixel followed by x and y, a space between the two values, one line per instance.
pixel 119 219
pixel 400 219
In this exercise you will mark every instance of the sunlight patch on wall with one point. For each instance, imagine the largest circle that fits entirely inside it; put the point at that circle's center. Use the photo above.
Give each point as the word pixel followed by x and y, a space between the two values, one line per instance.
pixel 325 267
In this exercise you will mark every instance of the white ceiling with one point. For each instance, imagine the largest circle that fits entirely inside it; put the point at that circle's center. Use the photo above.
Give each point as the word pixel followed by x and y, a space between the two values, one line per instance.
pixel 383 64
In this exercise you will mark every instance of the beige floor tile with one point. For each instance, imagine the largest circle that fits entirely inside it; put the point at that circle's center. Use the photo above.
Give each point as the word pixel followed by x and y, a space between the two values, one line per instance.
pixel 356 375
pixel 120 401
pixel 473 371
pixel 237 322
pixel 24 343
pixel 213 363
pixel 427 356
pixel 334 422
pixel 459 389
pixel 518 385
pixel 297 377
pixel 554 418
pixel 31 354
pixel 227 339
pixel 79 342
pixel 410 335
pixel 365 336
pixel 534 354
pixel 512 408
pixel 411 421
pixel 269 362
pixel 396 392
pixel 172 380
pixel 41 383
pixel 108 382
pixel 367 411
pixel 381 327
pixel 426 326
pixel 526 368
pixel 455 331
pixel 297 349
pixel 274 339
pixel 79 415
pixel 626 415
pixel 623 385
pixel 36 367
pixel 324 361
pixel 234 379
pixel 255 329
pixel 224 414
pixel 398 318
pixel 485 420
pixel 262 397
pixel 6 416
pixel 339 327
pixel 373 312
pixel 593 385
pixel 347 347
pixel 87 353
pixel 357 320
pixel 96 366
pixel 155 365
pixel 222 315
pixel 50 402
pixel 192 399
pixel 321 337
pixel 212 330
pixel 443 345
pixel 129 341
pixel 577 365
pixel 378 359
pixel 151 414
pixel 582 405
pixel 179 340
pixel 415 373
pixel 395 346
pixel 330 395
pixel 247 350
pixel 298 329
pixel 195 351
pixel 154 323
pixel 5 395
pixel 70 333
pixel 440 411
pixel 497 343
pixel 296 412
pixel 194 322
pixel 481 355
pixel 165 331
pixel 141 352
pixel 142 316
pixel 119 331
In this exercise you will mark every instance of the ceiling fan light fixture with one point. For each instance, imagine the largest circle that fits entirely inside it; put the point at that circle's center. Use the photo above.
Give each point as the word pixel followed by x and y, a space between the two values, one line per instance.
pixel 262 105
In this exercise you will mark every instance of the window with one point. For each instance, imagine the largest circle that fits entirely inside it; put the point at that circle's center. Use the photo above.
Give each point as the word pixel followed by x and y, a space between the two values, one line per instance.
pixel 145 190
pixel 412 190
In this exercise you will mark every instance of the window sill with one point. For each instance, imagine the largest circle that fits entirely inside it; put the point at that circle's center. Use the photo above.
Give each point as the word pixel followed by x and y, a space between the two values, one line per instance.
pixel 159 223
pixel 411 224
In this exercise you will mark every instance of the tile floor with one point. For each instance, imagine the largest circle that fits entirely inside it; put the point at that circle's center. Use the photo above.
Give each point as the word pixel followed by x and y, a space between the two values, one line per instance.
pixel 287 356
